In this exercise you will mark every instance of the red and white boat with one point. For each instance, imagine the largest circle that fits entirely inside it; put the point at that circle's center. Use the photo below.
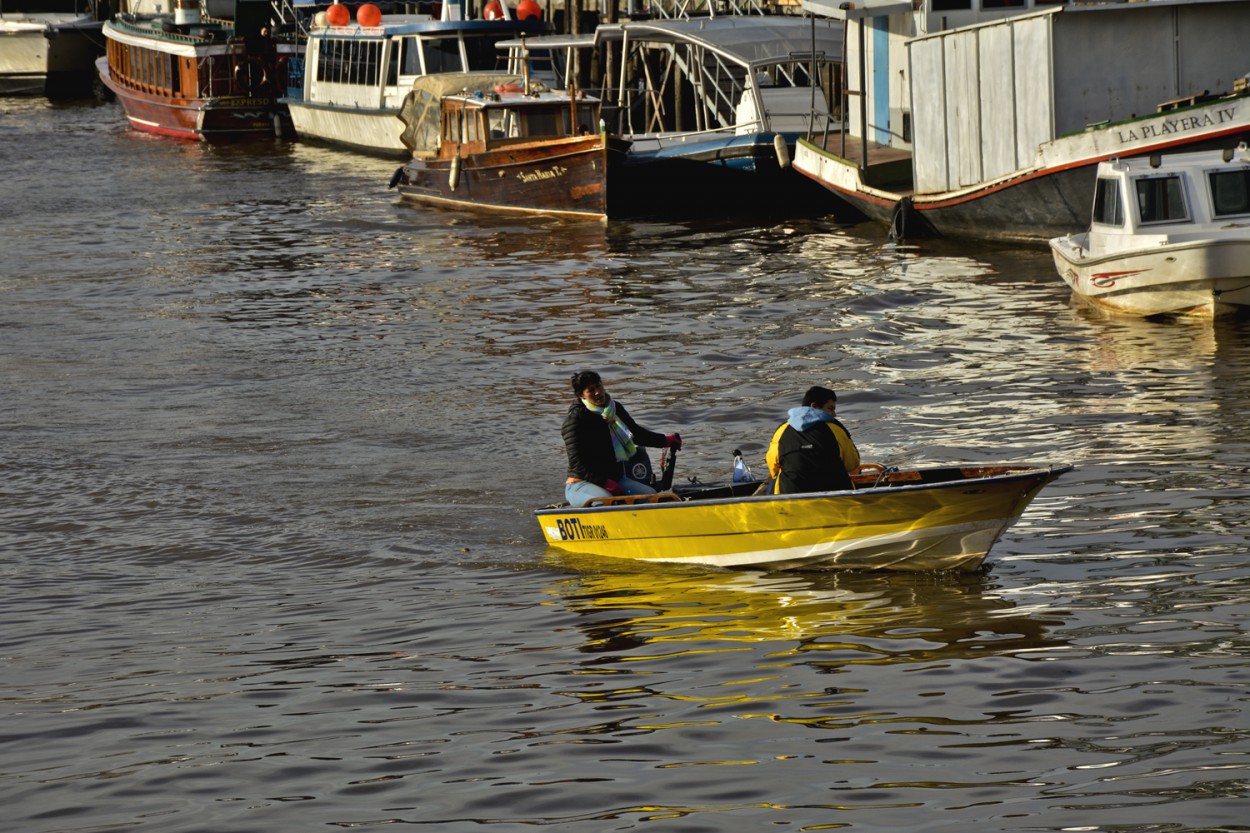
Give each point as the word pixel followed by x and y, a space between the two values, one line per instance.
pixel 191 76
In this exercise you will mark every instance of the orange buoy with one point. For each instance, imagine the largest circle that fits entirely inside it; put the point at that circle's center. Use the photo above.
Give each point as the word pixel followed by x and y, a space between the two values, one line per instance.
pixel 527 9
pixel 368 15
pixel 493 10
pixel 338 15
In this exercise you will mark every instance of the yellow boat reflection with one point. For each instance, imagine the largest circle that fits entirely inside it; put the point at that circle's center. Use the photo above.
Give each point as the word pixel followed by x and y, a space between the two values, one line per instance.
pixel 922 616
pixel 924 519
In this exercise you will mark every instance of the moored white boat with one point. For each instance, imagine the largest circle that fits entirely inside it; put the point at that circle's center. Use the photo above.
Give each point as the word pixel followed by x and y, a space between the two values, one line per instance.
pixel 937 518
pixel 1169 234
pixel 50 46
pixel 359 69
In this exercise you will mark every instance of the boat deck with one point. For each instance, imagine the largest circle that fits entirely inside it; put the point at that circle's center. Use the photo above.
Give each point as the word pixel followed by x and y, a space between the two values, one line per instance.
pixel 888 168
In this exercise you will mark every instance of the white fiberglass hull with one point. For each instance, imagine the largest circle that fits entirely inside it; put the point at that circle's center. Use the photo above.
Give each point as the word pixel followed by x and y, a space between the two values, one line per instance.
pixel 1204 278
pixel 371 131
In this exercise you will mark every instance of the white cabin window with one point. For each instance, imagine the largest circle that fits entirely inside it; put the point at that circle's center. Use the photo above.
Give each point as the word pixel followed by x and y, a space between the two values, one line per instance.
pixel 348 61
pixel 1161 199
pixel 1230 192
pixel 1108 210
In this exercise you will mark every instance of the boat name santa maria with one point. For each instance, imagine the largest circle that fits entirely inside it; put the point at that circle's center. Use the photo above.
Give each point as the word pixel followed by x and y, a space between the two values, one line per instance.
pixel 537 176
pixel 1151 131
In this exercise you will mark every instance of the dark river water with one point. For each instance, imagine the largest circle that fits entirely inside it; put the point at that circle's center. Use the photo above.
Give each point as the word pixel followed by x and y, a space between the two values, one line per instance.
pixel 271 442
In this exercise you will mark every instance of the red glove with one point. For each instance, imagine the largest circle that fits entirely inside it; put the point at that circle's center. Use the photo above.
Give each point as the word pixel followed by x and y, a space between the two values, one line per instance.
pixel 673 441
pixel 613 488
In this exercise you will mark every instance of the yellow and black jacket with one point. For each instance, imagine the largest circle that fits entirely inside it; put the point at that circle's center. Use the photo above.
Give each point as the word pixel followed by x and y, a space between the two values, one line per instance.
pixel 818 458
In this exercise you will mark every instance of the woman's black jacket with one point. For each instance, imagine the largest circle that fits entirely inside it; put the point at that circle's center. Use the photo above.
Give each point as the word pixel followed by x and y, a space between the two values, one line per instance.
pixel 589 444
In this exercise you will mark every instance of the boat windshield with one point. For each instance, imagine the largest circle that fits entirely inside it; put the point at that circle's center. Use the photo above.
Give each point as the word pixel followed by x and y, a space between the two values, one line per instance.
pixel 1230 192
pixel 441 55
pixel 1108 210
pixel 535 122
pixel 1161 199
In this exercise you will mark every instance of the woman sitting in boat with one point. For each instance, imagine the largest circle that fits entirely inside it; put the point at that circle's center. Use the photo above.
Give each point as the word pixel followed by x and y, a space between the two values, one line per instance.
pixel 600 437
pixel 812 451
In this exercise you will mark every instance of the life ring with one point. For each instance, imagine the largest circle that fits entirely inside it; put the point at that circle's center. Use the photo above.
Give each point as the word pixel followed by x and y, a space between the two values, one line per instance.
pixel 251 75
pixel 509 88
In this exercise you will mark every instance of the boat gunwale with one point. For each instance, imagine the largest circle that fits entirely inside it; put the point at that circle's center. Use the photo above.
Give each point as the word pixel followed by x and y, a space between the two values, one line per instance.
pixel 1018 472
pixel 936 200
pixel 1064 245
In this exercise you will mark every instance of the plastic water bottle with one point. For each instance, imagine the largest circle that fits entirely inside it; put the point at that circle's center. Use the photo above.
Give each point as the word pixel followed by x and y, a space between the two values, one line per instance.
pixel 742 472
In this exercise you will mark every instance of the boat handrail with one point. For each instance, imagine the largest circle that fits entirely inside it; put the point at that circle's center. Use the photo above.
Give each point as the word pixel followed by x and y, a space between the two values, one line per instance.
pixel 665 139
pixel 629 500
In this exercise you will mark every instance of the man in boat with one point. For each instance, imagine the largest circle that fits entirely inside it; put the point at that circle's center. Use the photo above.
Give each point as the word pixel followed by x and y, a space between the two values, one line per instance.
pixel 602 439
pixel 812 451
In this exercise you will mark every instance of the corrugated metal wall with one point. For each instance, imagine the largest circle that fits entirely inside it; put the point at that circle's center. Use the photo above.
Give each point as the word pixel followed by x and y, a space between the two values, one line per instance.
pixel 984 98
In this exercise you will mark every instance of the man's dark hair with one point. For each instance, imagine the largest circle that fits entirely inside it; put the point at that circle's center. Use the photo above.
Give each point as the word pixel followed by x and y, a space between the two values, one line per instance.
pixel 816 396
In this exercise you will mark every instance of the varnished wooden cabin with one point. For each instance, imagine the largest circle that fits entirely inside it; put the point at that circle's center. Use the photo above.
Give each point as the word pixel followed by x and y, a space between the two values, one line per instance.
pixel 495 145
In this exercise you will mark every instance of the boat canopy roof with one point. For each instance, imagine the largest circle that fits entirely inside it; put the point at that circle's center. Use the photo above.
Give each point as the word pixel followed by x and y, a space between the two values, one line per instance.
pixel 747 40
pixel 421 112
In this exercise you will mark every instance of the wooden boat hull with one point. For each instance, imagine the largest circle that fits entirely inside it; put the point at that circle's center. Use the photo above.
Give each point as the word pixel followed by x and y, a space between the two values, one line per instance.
pixel 1201 278
pixel 1045 200
pixel 562 176
pixel 226 118
pixel 935 519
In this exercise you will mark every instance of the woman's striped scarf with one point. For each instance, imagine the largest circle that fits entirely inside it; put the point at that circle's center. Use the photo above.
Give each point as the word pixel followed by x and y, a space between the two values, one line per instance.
pixel 623 444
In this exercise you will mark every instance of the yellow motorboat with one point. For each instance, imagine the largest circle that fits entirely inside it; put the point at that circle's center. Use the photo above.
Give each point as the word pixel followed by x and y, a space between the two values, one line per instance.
pixel 921 519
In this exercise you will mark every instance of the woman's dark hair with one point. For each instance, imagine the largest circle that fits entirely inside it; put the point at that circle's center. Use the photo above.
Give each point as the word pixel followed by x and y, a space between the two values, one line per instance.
pixel 583 380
